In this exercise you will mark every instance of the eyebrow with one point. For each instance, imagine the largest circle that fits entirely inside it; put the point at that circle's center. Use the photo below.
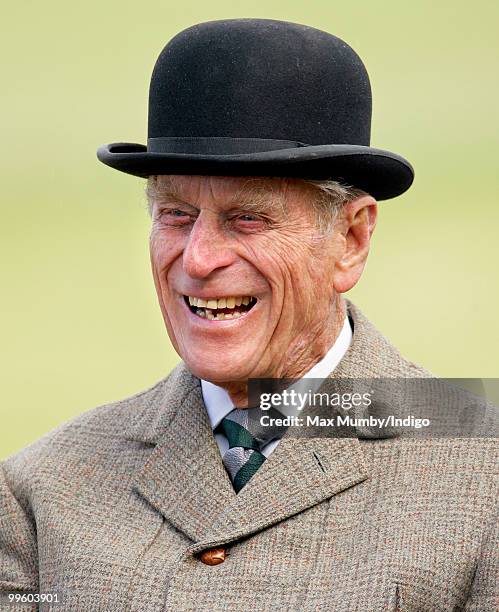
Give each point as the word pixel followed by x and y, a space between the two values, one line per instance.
pixel 256 198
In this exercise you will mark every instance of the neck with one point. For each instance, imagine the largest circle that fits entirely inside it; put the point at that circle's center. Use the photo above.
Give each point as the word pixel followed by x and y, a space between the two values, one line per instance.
pixel 300 357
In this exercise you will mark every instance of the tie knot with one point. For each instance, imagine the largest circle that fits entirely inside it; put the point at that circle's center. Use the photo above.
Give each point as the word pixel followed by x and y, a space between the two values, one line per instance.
pixel 243 428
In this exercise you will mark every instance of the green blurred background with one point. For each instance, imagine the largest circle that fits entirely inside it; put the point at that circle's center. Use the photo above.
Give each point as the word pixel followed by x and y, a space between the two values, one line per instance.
pixel 80 325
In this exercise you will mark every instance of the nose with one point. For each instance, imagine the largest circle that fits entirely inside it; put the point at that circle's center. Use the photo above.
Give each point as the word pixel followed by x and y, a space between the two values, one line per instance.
pixel 207 248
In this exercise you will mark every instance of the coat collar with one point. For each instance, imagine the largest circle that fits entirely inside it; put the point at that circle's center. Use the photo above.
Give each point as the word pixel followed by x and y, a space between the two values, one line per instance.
pixel 185 480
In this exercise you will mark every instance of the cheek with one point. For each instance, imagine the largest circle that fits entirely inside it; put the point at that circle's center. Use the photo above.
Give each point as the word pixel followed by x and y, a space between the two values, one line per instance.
pixel 275 268
pixel 289 270
pixel 321 274
pixel 163 252
pixel 310 287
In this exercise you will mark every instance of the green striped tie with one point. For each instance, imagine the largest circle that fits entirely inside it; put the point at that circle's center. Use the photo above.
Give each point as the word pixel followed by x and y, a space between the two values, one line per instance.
pixel 246 437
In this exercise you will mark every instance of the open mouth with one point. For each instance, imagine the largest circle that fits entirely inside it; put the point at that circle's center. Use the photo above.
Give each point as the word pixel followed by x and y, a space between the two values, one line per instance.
pixel 220 309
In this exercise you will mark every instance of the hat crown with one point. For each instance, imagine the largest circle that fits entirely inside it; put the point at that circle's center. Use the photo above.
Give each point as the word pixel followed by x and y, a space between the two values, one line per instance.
pixel 260 78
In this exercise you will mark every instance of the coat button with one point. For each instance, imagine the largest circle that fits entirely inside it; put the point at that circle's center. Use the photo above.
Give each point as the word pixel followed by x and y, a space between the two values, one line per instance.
pixel 214 556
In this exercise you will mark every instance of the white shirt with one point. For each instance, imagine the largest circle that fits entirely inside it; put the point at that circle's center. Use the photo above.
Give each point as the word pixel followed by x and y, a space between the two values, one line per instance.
pixel 218 402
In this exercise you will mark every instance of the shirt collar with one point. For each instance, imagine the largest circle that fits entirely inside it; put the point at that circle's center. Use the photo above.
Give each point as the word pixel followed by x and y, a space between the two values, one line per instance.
pixel 217 400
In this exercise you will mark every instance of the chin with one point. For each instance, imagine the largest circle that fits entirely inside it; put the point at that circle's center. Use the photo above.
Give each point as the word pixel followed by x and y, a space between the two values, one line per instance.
pixel 216 374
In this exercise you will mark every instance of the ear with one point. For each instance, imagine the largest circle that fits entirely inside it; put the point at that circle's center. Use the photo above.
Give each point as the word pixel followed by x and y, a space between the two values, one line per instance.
pixel 356 226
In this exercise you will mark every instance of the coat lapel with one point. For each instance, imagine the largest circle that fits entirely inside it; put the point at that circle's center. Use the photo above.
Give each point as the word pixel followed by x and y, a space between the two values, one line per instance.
pixel 299 474
pixel 185 480
pixel 184 477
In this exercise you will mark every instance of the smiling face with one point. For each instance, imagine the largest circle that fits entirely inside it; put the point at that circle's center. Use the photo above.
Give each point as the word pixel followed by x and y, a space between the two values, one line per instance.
pixel 245 284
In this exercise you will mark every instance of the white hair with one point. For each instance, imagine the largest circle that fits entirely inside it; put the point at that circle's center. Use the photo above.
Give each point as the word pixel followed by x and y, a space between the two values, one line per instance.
pixel 331 197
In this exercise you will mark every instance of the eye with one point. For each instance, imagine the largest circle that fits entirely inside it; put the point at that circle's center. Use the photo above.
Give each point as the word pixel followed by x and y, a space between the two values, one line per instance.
pixel 248 222
pixel 174 216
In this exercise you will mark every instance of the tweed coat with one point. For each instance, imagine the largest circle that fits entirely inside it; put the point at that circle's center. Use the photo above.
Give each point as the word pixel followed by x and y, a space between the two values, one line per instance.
pixel 111 511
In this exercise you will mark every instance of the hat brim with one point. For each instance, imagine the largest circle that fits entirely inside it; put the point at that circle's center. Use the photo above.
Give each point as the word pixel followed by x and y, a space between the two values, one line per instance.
pixel 380 173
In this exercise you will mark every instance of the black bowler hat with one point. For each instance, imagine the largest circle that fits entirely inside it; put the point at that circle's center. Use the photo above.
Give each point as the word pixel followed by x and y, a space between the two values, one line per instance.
pixel 258 97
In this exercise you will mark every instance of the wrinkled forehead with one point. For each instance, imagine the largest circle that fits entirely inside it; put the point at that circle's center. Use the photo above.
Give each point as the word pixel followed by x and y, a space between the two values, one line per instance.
pixel 227 191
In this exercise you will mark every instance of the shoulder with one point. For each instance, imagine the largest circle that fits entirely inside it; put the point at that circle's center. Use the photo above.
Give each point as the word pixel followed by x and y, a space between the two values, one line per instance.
pixel 443 457
pixel 372 355
pixel 99 438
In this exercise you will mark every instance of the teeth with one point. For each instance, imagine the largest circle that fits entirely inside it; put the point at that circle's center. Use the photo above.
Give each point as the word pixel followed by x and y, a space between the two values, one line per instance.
pixel 213 304
pixel 221 316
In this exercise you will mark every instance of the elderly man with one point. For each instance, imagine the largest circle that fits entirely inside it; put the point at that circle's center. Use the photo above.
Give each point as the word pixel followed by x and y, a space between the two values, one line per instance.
pixel 262 189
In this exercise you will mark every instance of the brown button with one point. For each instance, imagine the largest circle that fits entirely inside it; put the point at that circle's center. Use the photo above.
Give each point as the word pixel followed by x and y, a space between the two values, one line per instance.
pixel 214 556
